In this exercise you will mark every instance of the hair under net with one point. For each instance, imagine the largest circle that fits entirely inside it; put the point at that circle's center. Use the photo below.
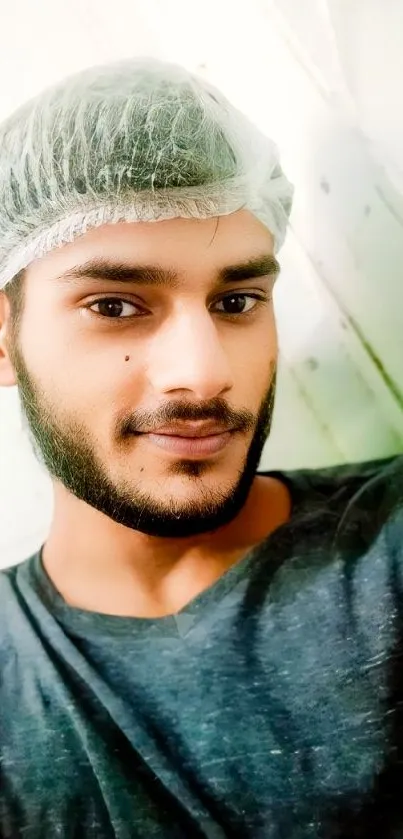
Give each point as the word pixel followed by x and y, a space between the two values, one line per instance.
pixel 136 140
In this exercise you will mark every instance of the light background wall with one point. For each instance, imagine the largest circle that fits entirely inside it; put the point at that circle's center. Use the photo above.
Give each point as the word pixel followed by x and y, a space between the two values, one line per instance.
pixel 322 78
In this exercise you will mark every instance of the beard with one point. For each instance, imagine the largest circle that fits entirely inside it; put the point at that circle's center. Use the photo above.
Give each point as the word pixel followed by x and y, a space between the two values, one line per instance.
pixel 65 448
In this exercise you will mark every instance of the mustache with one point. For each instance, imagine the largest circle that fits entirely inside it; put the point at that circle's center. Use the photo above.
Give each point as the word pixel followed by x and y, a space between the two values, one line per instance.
pixel 217 410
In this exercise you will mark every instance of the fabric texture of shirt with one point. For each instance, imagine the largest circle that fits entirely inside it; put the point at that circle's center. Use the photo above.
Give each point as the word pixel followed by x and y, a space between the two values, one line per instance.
pixel 269 707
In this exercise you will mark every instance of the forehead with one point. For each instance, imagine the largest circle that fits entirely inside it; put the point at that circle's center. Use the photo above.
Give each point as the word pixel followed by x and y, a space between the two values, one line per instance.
pixel 183 245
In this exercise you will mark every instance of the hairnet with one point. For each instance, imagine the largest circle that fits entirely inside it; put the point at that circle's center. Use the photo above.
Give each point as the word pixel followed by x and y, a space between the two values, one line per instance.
pixel 137 140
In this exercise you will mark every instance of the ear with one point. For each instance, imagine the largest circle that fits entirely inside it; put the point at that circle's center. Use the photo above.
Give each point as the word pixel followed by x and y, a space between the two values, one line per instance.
pixel 7 375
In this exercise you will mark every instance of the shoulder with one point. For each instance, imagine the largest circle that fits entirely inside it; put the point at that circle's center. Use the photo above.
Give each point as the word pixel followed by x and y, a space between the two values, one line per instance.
pixel 13 607
pixel 366 502
pixel 347 510
pixel 371 493
pixel 374 484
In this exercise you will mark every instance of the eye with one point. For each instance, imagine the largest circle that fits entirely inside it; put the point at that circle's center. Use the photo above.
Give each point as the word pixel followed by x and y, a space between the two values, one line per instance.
pixel 111 307
pixel 240 304
pixel 234 305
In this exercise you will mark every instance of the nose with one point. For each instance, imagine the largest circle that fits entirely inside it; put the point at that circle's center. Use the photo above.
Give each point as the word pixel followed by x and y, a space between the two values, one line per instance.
pixel 187 353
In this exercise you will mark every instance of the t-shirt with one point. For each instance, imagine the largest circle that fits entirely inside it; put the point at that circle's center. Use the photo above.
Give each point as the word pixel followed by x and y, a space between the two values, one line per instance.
pixel 269 707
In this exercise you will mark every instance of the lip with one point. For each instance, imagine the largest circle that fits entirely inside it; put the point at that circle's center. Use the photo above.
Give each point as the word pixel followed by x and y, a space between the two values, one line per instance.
pixel 201 445
pixel 192 429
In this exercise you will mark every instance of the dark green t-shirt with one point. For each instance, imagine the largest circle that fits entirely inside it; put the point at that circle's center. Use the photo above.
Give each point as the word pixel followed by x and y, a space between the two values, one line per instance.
pixel 269 707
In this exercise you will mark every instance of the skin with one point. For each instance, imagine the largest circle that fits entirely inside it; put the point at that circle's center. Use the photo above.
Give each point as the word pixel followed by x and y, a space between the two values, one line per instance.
pixel 136 530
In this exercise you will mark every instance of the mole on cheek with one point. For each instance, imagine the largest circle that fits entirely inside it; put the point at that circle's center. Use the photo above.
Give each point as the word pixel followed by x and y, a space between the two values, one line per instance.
pixel 127 357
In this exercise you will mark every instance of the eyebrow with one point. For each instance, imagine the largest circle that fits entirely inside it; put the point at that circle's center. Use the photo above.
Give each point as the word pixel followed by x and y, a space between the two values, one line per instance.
pixel 120 272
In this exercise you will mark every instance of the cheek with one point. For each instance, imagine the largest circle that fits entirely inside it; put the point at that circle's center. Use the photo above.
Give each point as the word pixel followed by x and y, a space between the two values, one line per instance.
pixel 47 350
pixel 255 364
pixel 79 373
pixel 108 385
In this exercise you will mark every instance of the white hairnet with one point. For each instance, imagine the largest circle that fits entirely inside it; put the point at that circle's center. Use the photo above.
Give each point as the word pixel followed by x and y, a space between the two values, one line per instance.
pixel 136 140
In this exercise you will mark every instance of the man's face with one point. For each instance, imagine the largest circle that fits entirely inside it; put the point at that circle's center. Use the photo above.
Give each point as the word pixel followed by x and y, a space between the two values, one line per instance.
pixel 101 364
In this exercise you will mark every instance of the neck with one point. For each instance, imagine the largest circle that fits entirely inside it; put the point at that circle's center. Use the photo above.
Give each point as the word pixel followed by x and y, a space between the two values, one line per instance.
pixel 101 566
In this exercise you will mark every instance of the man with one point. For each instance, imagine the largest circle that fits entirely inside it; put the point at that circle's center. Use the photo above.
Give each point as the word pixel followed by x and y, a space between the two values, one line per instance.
pixel 198 649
